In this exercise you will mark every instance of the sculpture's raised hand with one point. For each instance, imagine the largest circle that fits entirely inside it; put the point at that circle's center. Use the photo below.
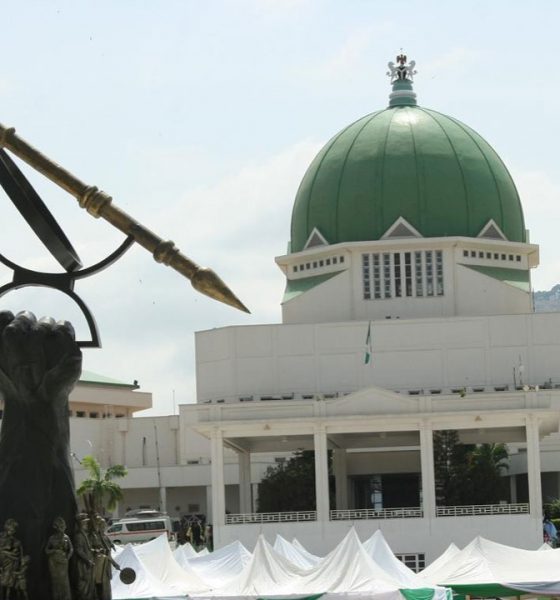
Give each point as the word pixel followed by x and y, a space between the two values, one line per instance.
pixel 39 360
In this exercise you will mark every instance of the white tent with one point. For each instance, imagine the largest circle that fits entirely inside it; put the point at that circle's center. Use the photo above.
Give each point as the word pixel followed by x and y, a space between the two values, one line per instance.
pixel 144 586
pixel 348 573
pixel 158 559
pixel 447 558
pixel 310 557
pixel 221 566
pixel 378 549
pixel 267 574
pixel 185 550
pixel 483 567
pixel 293 554
pixel 348 568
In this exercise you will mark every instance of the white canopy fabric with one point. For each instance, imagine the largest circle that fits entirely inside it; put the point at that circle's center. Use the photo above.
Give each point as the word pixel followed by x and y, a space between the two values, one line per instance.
pixel 447 558
pixel 377 548
pixel 486 562
pixel 220 567
pixel 267 574
pixel 310 557
pixel 158 559
pixel 293 554
pixel 348 568
pixel 185 550
pixel 144 586
pixel 347 573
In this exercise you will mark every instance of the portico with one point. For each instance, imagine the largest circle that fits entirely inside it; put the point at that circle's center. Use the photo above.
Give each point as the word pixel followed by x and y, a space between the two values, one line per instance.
pixel 358 428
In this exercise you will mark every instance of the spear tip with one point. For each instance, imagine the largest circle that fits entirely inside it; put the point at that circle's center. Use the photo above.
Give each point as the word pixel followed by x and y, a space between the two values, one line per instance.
pixel 207 282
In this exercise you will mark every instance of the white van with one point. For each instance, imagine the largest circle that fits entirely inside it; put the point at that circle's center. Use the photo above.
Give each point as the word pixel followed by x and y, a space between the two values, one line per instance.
pixel 136 530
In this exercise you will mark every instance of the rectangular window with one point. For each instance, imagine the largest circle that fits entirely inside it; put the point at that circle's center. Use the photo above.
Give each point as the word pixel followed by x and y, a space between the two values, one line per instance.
pixel 416 562
pixel 408 273
pixel 386 275
pixel 342 259
pixel 307 265
pixel 496 256
pixel 314 264
pixel 429 273
pixel 510 257
pixel 295 269
pixel 473 254
pixel 334 260
pixel 465 253
pixel 489 255
pixel 481 255
pixel 518 258
pixel 397 274
pixel 366 276
pixel 376 277
pixel 439 272
pixel 321 263
pixel 418 273
pixel 328 261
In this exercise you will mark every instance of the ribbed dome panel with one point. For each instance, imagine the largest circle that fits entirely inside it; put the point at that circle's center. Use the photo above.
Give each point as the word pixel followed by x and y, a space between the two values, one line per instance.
pixel 410 162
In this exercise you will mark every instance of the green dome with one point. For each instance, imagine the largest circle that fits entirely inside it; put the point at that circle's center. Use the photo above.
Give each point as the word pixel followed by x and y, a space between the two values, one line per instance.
pixel 410 162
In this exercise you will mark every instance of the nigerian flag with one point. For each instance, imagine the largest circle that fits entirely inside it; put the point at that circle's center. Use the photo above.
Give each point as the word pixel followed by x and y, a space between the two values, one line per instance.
pixel 369 347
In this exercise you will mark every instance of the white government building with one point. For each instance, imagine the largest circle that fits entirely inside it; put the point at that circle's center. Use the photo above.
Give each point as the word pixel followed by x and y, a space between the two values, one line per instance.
pixel 407 219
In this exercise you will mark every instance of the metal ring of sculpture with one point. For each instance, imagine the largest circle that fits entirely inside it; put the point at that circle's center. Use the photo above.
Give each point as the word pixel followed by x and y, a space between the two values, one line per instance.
pixel 44 225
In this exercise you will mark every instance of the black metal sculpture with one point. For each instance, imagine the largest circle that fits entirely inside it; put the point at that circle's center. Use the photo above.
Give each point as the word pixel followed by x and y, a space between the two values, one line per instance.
pixel 39 364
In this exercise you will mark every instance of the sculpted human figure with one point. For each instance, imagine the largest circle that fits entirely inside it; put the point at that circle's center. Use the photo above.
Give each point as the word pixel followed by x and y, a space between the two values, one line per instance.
pixel 59 550
pixel 102 546
pixel 84 560
pixel 13 563
pixel 40 363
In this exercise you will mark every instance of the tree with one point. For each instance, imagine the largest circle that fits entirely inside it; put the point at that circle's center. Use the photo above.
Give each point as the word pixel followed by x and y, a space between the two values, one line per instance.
pixel 468 474
pixel 450 468
pixel 487 463
pixel 99 490
pixel 290 485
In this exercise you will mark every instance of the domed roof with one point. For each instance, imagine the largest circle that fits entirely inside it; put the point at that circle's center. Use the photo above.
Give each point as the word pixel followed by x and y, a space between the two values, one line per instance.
pixel 410 162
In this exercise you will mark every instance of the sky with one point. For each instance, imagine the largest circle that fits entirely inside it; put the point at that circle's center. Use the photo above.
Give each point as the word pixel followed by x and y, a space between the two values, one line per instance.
pixel 200 119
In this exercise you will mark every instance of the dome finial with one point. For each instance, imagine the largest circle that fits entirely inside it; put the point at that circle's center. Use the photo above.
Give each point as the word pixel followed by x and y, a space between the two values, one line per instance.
pixel 402 76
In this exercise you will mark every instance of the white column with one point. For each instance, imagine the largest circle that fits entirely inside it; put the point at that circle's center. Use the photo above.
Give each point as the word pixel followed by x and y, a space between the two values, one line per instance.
pixel 513 489
pixel 255 496
pixel 341 478
pixel 244 482
pixel 218 485
pixel 163 499
pixel 209 504
pixel 321 474
pixel 427 466
pixel 534 467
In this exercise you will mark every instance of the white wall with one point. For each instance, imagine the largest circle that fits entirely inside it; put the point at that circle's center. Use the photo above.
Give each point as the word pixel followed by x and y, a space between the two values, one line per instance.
pixel 407 354
pixel 466 292
pixel 478 294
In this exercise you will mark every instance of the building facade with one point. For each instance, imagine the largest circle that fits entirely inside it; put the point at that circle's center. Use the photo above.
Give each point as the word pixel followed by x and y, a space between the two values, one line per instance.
pixel 407 311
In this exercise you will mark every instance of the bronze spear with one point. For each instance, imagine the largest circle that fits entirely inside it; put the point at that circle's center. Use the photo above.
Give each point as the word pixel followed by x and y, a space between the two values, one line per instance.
pixel 100 204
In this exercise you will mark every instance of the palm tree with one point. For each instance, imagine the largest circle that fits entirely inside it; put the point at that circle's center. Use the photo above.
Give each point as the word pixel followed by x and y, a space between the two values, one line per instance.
pixel 99 490
pixel 487 463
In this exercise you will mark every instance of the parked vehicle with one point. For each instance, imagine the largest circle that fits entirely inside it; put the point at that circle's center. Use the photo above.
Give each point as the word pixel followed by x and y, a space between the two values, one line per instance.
pixel 142 529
